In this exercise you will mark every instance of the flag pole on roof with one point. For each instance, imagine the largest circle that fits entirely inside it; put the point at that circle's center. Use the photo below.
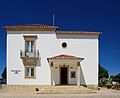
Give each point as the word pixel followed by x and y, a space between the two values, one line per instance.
pixel 53 19
pixel 53 12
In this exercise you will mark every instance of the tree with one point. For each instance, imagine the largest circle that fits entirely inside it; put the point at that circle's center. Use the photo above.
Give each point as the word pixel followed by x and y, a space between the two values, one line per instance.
pixel 115 78
pixel 4 73
pixel 103 73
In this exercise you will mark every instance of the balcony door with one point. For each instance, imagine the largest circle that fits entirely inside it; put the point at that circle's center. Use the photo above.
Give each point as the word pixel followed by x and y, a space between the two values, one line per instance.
pixel 30 49
pixel 29 46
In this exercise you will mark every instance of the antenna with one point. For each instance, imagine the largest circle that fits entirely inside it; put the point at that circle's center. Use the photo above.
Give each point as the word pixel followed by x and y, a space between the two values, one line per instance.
pixel 53 12
pixel 53 19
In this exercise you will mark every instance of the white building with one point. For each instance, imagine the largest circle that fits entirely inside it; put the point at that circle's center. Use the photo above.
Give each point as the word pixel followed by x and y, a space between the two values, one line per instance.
pixel 43 55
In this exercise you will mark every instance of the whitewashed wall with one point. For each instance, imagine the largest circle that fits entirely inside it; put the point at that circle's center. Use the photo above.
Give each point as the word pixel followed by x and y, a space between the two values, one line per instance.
pixel 49 45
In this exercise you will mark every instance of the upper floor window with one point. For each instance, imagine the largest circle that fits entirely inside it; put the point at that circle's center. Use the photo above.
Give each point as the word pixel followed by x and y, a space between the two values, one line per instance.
pixel 64 44
pixel 30 42
pixel 30 46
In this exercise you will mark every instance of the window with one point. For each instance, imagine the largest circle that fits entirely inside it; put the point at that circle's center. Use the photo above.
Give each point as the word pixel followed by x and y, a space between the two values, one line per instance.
pixel 29 46
pixel 64 44
pixel 30 72
pixel 30 43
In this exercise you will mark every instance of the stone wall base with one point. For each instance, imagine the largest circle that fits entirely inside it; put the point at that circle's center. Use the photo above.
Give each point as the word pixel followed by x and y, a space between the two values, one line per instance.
pixel 93 87
pixel 44 87
pixel 22 87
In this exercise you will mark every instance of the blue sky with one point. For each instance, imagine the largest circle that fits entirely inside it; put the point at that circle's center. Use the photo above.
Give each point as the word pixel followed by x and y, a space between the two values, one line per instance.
pixel 88 15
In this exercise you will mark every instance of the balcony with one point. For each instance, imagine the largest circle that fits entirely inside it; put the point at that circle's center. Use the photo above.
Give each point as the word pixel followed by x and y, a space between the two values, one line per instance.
pixel 25 54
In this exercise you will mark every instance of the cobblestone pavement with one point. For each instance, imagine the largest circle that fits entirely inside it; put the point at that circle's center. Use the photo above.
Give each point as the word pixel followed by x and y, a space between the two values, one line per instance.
pixel 103 93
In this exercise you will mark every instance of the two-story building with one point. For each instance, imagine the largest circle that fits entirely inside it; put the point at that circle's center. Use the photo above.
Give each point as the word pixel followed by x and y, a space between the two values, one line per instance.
pixel 42 55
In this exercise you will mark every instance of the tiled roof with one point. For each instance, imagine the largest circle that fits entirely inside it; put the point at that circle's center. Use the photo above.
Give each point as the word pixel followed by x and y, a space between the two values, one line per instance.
pixel 78 32
pixel 30 27
pixel 41 27
pixel 64 56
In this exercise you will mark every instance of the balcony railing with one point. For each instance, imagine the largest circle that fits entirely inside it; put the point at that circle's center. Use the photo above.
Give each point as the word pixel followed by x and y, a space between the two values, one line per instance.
pixel 26 53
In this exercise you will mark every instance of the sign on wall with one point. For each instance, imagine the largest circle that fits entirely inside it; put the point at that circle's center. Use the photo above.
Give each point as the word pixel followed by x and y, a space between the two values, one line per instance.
pixel 72 74
pixel 16 71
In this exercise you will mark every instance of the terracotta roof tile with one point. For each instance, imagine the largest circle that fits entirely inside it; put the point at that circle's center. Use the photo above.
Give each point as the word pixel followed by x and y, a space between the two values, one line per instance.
pixel 64 56
pixel 41 27
pixel 78 32
pixel 26 27
pixel 31 26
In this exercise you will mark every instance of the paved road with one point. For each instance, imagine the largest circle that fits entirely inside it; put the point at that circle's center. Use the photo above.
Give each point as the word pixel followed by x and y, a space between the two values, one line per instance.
pixel 103 93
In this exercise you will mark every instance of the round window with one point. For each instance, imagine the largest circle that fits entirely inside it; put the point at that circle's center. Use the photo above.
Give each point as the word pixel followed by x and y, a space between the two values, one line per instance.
pixel 64 44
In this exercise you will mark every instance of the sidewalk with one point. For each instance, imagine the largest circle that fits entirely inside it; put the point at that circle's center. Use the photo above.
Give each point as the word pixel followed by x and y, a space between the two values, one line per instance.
pixel 103 93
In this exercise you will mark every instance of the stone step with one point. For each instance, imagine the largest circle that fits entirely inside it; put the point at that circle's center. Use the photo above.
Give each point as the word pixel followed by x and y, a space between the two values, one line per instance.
pixel 64 90
pixel 48 89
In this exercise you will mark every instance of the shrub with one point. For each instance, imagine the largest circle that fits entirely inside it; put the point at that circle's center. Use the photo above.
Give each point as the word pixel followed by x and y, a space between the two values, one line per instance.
pixel 117 86
pixel 102 85
pixel 113 87
pixel 108 85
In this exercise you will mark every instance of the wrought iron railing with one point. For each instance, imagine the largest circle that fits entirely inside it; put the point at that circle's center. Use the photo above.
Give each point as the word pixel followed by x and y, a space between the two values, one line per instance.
pixel 26 53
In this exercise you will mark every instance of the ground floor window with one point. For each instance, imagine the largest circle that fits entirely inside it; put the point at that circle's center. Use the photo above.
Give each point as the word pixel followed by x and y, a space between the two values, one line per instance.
pixel 29 72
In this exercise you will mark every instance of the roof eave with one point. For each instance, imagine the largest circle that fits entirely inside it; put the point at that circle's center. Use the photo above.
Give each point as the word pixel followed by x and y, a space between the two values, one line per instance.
pixel 31 27
pixel 77 33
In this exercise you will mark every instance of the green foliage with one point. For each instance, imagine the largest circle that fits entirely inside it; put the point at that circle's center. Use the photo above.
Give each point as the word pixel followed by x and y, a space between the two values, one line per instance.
pixel 103 73
pixel 113 87
pixel 4 74
pixel 117 86
pixel 115 78
pixel 108 85
pixel 102 85
pixel 104 81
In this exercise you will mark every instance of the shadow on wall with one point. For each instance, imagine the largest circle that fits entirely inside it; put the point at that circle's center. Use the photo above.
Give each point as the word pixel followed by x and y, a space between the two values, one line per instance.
pixel 39 62
pixel 82 78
